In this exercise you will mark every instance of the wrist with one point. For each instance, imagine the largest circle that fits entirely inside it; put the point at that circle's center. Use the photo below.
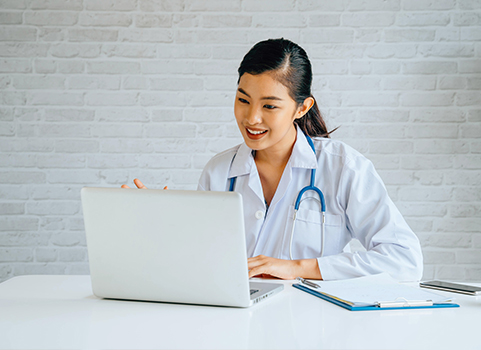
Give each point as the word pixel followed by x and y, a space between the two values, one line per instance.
pixel 309 268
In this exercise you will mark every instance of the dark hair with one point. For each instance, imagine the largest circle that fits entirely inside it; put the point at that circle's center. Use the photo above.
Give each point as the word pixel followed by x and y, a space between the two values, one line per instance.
pixel 292 68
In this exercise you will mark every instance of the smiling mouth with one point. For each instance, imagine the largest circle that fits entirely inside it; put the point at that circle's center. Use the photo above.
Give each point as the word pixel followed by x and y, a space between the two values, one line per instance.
pixel 255 132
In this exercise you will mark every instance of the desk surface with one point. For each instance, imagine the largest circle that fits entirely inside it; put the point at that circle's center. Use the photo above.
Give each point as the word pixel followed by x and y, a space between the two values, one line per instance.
pixel 60 312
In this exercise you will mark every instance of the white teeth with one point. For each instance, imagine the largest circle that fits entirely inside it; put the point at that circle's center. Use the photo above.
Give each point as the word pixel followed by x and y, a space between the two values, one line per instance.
pixel 256 132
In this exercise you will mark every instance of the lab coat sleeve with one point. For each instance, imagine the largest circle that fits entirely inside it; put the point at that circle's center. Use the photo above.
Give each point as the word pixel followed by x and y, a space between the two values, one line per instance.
pixel 372 218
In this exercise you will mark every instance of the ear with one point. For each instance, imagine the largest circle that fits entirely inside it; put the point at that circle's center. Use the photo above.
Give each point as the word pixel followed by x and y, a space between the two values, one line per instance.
pixel 304 107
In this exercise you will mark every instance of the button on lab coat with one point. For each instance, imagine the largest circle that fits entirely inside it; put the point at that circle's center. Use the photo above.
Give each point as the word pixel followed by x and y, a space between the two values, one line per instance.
pixel 357 206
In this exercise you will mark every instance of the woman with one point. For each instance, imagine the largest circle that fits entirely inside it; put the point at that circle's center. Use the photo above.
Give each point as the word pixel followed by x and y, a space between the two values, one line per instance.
pixel 277 116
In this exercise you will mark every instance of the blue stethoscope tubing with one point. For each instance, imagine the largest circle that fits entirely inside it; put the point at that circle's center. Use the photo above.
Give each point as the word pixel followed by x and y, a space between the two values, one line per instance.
pixel 299 200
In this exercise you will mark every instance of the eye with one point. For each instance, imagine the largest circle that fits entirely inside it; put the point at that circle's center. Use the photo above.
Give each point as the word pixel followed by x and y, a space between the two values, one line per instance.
pixel 270 106
pixel 241 100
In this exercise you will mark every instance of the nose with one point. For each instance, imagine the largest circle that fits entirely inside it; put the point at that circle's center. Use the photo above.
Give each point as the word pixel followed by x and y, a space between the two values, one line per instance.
pixel 253 116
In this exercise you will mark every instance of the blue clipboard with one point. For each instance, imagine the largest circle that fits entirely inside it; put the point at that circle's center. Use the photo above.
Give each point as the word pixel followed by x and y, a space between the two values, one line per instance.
pixel 367 308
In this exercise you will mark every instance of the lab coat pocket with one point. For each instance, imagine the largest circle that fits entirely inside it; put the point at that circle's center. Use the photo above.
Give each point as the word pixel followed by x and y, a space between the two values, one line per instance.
pixel 306 242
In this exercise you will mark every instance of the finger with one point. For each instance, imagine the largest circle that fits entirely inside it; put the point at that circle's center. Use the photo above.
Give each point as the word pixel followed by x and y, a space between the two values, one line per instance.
pixel 166 188
pixel 139 184
pixel 124 186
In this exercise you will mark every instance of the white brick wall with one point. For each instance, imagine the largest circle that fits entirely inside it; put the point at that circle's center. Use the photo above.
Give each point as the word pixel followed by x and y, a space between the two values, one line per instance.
pixel 97 92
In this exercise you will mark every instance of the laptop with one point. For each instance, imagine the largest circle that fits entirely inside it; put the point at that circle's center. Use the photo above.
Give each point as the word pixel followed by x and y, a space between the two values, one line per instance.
pixel 169 246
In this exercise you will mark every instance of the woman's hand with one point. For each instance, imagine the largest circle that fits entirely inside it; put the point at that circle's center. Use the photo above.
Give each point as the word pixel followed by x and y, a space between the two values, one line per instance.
pixel 284 269
pixel 139 185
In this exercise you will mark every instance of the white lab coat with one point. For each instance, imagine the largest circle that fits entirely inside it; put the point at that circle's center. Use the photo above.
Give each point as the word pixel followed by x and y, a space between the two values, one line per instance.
pixel 357 206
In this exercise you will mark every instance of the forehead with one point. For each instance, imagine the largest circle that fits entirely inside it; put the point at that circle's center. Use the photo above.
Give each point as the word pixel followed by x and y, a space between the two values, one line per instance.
pixel 261 85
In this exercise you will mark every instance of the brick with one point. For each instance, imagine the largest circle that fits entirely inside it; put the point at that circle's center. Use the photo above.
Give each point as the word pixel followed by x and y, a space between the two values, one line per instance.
pixel 470 66
pixel 180 145
pixel 268 5
pixel 117 130
pixel 373 5
pixel 10 18
pixel 26 177
pixel 92 35
pixel 327 35
pixel 468 98
pixel 15 66
pixel 70 115
pixel 421 162
pixel 147 20
pixel 39 269
pixel 448 34
pixel 171 131
pixel 167 115
pixel 49 192
pixel 422 19
pixel 112 161
pixel 469 4
pixel 444 115
pixel 75 50
pixel 446 50
pixel 13 4
pixel 128 50
pixel 94 83
pixel 6 114
pixel 397 177
pixel 21 223
pixel 73 177
pixel 371 99
pixel 46 18
pixel 113 67
pixel 445 131
pixel 18 34
pixel 441 147
pixel 68 239
pixel 16 254
pixel 323 20
pixel 391 51
pixel 26 145
pixel 458 225
pixel 439 257
pixel 378 19
pixel 451 83
pixel 463 177
pixel 474 115
pixel 51 34
pixel 21 49
pixel 45 66
pixel 240 21
pixel 37 98
pixel 169 5
pixel 186 20
pixel 72 254
pixel 12 208
pixel 117 177
pixel 415 5
pixel 56 5
pixel 476 240
pixel 321 5
pixel 429 178
pixel 122 115
pixel 467 194
pixel 468 161
pixel 61 130
pixel 221 83
pixel 164 98
pixel 61 161
pixel 449 240
pixel 433 67
pixel 427 99
pixel 146 35
pixel 176 84
pixel 164 161
pixel 126 146
pixel 207 115
pixel 368 35
pixel 471 130
pixel 366 67
pixel 111 5
pixel 46 254
pixel 391 147
pixel 7 129
pixel 409 83
pixel 39 82
pixel 474 83
pixel 134 83
pixel 470 34
pixel 354 83
pixel 420 225
pixel 466 19
pixel 292 20
pixel 53 208
pixel 464 210
pixel 409 35
pixel 18 160
pixel 105 19
pixel 473 273
pixel 110 99
pixel 71 67
pixel 48 223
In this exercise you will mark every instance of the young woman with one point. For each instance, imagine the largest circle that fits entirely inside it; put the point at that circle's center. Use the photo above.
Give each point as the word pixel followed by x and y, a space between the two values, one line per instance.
pixel 285 139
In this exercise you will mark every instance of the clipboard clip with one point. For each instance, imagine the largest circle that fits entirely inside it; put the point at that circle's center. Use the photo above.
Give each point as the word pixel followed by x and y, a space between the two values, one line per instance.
pixel 308 283
pixel 402 302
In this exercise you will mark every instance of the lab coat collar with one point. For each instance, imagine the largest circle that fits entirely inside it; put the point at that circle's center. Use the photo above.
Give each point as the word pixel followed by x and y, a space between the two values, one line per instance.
pixel 302 157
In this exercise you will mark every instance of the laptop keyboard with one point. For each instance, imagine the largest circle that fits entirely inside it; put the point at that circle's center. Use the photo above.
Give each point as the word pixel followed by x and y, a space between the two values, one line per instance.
pixel 254 291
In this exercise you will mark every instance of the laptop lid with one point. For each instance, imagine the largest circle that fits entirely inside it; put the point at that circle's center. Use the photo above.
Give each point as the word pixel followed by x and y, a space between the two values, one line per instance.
pixel 167 245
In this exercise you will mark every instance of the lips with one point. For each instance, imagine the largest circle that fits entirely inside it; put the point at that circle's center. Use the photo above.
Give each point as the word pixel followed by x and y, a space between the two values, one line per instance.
pixel 255 134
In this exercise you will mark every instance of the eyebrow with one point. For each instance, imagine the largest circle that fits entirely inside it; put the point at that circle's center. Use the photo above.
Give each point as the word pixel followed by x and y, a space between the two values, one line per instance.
pixel 262 98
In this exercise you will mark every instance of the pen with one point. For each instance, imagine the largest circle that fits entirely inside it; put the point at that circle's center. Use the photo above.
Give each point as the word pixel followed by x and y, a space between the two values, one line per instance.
pixel 308 283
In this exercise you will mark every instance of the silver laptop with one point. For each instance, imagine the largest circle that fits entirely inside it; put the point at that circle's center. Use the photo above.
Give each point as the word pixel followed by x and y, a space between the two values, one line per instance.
pixel 170 246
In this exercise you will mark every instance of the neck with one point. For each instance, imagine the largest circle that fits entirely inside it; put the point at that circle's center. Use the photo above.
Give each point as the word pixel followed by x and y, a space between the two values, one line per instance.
pixel 279 154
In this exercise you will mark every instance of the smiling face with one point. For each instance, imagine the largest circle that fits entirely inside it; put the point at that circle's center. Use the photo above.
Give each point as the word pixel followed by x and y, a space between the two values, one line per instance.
pixel 265 113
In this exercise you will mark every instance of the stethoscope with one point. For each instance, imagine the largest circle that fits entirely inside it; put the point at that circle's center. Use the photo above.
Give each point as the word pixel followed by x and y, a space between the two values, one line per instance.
pixel 299 200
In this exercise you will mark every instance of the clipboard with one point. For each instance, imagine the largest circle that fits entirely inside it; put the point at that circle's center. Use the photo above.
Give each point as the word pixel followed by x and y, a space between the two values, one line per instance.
pixel 379 284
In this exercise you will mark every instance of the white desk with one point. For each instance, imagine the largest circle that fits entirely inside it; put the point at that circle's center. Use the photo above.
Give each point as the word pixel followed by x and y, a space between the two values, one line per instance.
pixel 60 312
